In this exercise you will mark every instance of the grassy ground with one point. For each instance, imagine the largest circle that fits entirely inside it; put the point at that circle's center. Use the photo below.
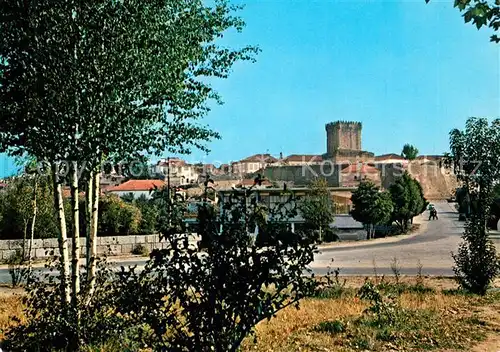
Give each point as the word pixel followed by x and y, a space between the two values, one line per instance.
pixel 414 316
pixel 439 319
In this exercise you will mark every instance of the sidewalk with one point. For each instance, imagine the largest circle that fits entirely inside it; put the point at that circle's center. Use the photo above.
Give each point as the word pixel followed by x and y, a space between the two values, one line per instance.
pixel 419 220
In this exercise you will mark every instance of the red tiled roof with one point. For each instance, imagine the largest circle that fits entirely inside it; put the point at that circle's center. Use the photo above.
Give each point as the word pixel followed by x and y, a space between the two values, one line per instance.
pixel 363 169
pixel 263 158
pixel 137 185
pixel 389 157
pixel 304 158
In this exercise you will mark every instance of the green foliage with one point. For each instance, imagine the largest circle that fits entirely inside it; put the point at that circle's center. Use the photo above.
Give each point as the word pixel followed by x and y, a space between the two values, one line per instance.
pixel 496 191
pixel 384 309
pixel 216 296
pixel 481 13
pixel 331 327
pixel 408 200
pixel 51 326
pixel 475 159
pixel 476 262
pixel 371 207
pixel 331 286
pixel 17 269
pixel 149 215
pixel 318 208
pixel 118 217
pixel 16 209
pixel 141 250
pixel 409 152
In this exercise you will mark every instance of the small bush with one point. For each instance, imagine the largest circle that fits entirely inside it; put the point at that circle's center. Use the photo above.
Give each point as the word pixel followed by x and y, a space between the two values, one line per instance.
pixel 476 262
pixel 141 250
pixel 382 308
pixel 332 286
pixel 332 327
pixel 17 270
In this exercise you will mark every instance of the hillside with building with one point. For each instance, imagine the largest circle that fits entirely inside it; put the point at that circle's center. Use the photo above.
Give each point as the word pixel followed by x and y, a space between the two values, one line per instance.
pixel 344 164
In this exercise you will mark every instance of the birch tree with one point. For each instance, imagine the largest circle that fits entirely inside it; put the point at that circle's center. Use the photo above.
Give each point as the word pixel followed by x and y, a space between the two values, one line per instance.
pixel 83 83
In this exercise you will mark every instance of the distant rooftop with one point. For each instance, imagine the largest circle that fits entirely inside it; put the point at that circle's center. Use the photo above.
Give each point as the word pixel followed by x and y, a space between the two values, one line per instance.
pixel 137 185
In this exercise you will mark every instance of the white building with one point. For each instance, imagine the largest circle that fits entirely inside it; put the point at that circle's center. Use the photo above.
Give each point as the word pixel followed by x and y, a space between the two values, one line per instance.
pixel 137 188
pixel 178 170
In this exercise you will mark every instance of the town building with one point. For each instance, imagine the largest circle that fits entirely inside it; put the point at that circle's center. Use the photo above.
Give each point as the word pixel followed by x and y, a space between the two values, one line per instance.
pixel 252 164
pixel 137 188
pixel 177 170
pixel 302 159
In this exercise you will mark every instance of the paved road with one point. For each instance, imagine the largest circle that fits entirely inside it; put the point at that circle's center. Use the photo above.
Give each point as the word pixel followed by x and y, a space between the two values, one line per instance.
pixel 431 248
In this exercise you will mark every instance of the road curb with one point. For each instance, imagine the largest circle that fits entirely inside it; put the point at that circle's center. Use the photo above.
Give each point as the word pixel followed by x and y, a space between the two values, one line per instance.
pixel 386 240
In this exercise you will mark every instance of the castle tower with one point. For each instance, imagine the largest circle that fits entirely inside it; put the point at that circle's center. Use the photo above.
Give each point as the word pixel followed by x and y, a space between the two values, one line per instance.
pixel 343 135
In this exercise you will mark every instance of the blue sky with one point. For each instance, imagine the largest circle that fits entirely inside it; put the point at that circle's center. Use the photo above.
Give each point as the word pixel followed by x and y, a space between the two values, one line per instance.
pixel 408 71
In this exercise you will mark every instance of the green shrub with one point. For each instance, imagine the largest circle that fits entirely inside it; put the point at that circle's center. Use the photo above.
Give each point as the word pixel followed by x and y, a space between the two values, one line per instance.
pixel 117 217
pixel 141 250
pixel 332 327
pixel 17 270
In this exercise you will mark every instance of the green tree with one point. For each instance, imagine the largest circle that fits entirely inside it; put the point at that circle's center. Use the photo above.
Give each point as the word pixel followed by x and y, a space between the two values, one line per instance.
pixel 496 191
pixel 149 215
pixel 318 208
pixel 408 200
pixel 481 13
pixel 118 78
pixel 475 159
pixel 371 207
pixel 217 295
pixel 117 217
pixel 409 152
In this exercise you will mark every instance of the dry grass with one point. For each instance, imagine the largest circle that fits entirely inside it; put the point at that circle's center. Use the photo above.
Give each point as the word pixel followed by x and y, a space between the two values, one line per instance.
pixel 450 321
pixel 10 306
pixel 454 320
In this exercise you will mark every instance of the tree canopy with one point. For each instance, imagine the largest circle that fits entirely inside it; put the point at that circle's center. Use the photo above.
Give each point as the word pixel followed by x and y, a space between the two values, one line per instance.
pixel 409 152
pixel 318 208
pixel 475 159
pixel 370 206
pixel 408 200
pixel 482 13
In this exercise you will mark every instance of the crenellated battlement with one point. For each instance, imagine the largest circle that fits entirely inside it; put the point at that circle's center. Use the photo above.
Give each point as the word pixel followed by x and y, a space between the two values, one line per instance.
pixel 341 123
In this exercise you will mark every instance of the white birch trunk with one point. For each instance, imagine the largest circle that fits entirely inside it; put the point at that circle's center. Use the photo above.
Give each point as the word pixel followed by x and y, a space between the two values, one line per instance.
pixel 93 235
pixel 75 249
pixel 88 218
pixel 63 238
pixel 33 222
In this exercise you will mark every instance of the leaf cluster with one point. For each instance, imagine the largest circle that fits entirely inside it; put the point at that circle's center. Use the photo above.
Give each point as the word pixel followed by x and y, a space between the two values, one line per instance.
pixel 482 13
pixel 210 300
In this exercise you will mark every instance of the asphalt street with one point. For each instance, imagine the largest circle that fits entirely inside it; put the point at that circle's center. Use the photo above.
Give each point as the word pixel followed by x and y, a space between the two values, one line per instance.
pixel 431 249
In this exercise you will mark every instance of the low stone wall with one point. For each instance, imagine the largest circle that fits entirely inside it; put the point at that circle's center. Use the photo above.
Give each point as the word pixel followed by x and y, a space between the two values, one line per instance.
pixel 113 246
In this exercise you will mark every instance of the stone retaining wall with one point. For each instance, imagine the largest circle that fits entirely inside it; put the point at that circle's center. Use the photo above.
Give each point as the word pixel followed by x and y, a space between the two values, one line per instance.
pixel 118 245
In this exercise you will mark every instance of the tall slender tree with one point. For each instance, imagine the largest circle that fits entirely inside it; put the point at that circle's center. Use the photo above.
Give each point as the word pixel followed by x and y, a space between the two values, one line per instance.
pixel 475 158
pixel 83 83
pixel 371 207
